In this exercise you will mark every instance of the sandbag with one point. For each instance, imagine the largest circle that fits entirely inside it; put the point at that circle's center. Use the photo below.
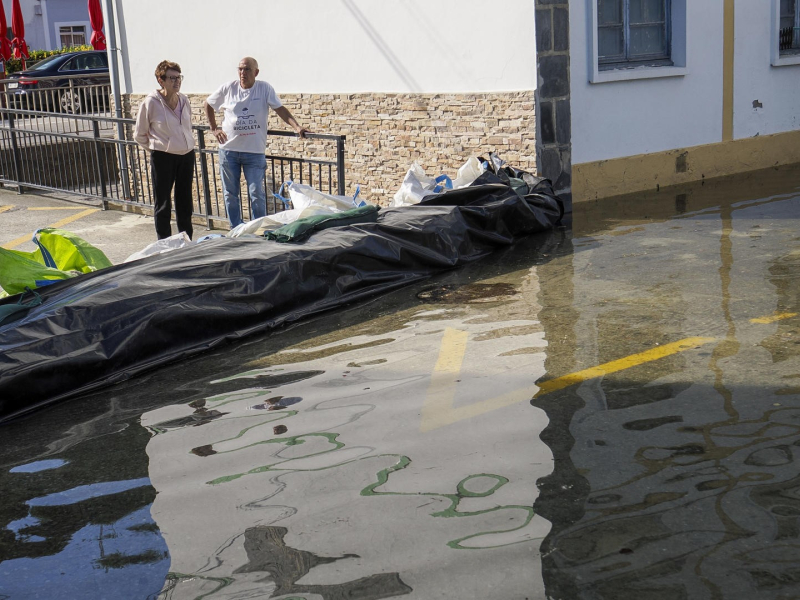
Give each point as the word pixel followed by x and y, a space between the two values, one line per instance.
pixel 59 255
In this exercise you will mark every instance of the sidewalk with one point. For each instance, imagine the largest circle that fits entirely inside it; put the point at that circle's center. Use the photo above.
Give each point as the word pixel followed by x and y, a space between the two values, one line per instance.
pixel 118 234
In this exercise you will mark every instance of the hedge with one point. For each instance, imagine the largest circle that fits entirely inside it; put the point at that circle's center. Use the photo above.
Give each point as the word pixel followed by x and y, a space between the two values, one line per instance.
pixel 13 65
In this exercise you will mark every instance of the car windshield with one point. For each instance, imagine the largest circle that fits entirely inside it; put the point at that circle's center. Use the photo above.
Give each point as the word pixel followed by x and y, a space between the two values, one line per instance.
pixel 46 63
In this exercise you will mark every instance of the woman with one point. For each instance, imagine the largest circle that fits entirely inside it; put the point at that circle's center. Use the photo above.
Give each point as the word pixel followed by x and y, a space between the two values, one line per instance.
pixel 164 126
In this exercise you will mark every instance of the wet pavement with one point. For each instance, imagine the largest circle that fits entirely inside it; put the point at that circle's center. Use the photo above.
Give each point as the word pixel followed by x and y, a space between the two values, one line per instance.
pixel 608 411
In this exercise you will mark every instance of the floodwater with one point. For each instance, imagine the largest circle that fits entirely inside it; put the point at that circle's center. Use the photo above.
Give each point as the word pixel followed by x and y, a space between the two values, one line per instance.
pixel 607 411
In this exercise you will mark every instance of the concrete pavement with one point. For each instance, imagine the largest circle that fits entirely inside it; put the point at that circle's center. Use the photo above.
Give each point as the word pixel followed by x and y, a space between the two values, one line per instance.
pixel 118 234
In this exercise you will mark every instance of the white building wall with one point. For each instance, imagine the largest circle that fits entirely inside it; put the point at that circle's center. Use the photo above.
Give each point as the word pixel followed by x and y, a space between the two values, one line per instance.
pixel 777 89
pixel 625 118
pixel 642 116
pixel 351 46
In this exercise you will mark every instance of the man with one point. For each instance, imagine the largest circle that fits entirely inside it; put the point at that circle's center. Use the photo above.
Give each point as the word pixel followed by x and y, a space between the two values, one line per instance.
pixel 243 136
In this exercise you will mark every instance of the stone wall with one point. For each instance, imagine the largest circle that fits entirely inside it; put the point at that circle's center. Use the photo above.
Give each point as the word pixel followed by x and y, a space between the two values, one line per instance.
pixel 387 132
pixel 554 104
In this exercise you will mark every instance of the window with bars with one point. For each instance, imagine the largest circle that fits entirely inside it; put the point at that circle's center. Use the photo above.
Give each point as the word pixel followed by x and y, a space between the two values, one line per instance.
pixel 789 27
pixel 633 32
pixel 72 35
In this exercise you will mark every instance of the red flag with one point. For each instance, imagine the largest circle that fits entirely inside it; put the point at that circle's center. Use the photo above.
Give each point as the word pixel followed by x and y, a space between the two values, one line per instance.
pixel 96 18
pixel 5 43
pixel 18 27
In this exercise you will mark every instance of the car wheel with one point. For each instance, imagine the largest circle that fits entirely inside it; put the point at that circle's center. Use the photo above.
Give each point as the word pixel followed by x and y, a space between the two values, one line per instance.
pixel 71 102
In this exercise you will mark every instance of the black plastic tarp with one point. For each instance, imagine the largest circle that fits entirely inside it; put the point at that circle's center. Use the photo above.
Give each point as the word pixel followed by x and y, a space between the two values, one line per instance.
pixel 105 327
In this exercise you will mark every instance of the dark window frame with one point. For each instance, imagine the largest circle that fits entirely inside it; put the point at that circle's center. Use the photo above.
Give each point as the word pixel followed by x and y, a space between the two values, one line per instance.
pixel 625 60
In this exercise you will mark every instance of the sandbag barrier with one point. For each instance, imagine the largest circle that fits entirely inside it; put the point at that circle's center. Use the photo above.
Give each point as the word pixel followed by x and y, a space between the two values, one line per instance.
pixel 107 326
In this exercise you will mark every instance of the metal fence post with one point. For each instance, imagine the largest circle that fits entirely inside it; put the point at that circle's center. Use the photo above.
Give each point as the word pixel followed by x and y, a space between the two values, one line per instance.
pixel 340 164
pixel 201 144
pixel 73 105
pixel 100 162
pixel 15 152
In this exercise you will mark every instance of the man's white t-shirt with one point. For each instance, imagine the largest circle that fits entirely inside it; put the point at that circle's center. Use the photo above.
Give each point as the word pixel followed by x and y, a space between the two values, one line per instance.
pixel 246 114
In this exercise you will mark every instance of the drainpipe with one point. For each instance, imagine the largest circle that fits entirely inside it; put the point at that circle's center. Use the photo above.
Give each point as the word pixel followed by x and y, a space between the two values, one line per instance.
pixel 113 71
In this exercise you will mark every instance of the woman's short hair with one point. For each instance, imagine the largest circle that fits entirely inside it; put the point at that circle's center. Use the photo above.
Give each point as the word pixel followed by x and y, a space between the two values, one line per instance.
pixel 163 66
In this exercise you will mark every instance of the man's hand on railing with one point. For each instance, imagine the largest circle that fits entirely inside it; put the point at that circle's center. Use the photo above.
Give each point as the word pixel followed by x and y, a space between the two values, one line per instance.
pixel 220 135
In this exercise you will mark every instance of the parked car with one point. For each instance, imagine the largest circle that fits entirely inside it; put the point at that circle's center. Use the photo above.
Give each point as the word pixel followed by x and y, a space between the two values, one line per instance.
pixel 72 82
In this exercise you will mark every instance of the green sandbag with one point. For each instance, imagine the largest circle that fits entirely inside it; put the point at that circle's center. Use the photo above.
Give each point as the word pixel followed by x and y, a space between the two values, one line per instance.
pixel 69 252
pixel 60 255
pixel 301 229
pixel 19 270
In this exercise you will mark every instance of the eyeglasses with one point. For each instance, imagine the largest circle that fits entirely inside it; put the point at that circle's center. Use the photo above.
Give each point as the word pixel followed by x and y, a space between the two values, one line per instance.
pixel 174 78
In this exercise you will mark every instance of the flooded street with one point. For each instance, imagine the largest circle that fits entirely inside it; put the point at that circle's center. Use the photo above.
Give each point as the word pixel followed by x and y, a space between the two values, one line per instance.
pixel 607 411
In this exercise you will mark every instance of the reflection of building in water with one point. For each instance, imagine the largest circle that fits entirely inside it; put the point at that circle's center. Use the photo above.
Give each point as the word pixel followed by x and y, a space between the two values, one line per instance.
pixel 397 456
pixel 678 478
pixel 75 512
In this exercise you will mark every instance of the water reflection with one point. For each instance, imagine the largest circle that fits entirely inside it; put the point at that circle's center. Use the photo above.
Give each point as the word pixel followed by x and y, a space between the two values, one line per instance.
pixel 339 467
pixel 391 450
pixel 75 512
pixel 677 478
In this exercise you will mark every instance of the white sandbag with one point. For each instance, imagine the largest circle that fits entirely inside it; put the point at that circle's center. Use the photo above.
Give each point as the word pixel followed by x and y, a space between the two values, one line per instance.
pixel 179 240
pixel 416 185
pixel 469 172
pixel 303 196
pixel 248 227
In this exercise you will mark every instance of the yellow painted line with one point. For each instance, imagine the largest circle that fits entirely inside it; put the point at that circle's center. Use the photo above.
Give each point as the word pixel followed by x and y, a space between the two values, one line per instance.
pixel 6 207
pixel 55 208
pixel 773 318
pixel 545 387
pixel 26 238
pixel 438 409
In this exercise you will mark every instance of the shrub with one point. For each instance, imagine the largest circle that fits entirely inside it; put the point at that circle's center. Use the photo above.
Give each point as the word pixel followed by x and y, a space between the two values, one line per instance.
pixel 13 65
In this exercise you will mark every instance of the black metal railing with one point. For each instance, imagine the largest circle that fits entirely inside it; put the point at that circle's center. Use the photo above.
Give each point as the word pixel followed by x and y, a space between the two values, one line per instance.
pixel 85 155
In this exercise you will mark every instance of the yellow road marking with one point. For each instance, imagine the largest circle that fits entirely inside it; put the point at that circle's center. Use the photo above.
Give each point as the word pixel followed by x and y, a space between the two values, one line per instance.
pixel 773 318
pixel 439 411
pixel 6 207
pixel 545 387
pixel 55 208
pixel 21 240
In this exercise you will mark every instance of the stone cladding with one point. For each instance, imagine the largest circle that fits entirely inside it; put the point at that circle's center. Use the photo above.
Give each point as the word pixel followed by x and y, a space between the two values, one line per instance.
pixel 386 133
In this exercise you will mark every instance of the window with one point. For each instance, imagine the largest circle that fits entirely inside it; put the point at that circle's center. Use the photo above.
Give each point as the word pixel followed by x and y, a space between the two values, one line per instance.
pixel 789 27
pixel 72 35
pixel 632 33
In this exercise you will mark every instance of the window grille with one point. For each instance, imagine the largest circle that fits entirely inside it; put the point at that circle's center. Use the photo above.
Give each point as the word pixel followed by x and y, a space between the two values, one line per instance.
pixel 789 28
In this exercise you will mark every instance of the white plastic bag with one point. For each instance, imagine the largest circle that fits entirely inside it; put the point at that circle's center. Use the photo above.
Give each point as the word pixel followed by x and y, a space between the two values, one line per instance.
pixel 308 202
pixel 179 240
pixel 303 196
pixel 248 227
pixel 417 185
pixel 469 172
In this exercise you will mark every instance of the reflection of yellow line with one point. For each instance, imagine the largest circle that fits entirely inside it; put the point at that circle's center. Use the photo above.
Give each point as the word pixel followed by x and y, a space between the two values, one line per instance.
pixel 773 318
pixel 61 223
pixel 438 410
pixel 6 207
pixel 552 385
